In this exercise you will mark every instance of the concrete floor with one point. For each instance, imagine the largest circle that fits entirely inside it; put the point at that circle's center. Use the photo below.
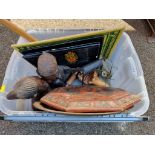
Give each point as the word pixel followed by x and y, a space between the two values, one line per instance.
pixel 146 52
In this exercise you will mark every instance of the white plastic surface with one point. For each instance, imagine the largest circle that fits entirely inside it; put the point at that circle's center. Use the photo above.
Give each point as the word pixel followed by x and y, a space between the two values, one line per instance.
pixel 127 73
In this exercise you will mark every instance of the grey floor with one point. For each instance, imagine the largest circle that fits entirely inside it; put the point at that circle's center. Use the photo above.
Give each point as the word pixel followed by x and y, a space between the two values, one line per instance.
pixel 146 52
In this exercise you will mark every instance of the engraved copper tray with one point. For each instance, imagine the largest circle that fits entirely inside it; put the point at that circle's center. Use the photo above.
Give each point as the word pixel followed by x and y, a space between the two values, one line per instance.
pixel 90 99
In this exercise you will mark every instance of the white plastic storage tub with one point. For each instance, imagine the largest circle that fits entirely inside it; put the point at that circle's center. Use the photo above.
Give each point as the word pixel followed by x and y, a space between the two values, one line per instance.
pixel 128 74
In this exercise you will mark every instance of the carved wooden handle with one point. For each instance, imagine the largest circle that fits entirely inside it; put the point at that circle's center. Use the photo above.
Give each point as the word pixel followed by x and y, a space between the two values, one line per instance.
pixel 92 79
pixel 71 79
pixel 97 81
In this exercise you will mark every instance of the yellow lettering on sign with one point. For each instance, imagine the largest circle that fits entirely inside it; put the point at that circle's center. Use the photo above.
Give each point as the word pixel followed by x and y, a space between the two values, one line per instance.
pixel 2 89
